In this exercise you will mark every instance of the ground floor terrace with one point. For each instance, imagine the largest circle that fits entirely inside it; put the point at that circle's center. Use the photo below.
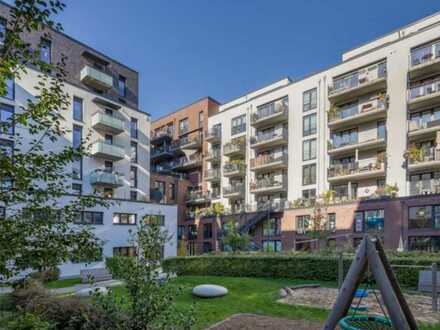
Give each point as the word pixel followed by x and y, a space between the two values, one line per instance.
pixel 405 223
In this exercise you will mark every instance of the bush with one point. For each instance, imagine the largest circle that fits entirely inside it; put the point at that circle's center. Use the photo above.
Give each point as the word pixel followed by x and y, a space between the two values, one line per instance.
pixel 47 275
pixel 117 266
pixel 28 321
pixel 293 266
pixel 28 290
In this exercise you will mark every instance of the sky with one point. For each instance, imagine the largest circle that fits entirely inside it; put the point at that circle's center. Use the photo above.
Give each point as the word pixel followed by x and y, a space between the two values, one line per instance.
pixel 187 49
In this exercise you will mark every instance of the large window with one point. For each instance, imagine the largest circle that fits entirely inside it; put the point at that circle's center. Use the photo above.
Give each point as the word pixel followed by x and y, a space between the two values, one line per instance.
pixel 272 246
pixel 309 174
pixel 133 177
pixel 207 231
pixel 173 191
pixel 271 227
pixel 201 118
pixel 371 220
pixel 381 130
pixel 124 219
pixel 46 51
pixel 6 119
pixel 424 243
pixel 134 152
pixel 331 221
pixel 77 109
pixel 192 232
pixel 124 251
pixel 344 138
pixel 157 219
pixel 90 218
pixel 2 30
pixel 238 124
pixel 310 99
pixel 77 162
pixel 134 128
pixel 309 125
pixel 183 126
pixel 302 223
pixel 10 89
pixel 309 193
pixel 427 216
pixel 122 86
pixel 309 149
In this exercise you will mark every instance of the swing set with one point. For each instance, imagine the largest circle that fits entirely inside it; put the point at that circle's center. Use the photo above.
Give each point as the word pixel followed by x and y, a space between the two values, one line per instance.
pixel 371 262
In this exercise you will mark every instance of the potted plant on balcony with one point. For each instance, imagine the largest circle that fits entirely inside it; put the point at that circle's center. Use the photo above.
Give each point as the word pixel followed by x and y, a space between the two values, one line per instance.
pixel 332 112
pixel 391 190
pixel 414 154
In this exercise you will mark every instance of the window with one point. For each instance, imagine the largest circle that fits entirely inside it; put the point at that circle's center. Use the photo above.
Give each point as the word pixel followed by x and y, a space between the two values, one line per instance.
pixel 122 86
pixel 309 174
pixel 183 126
pixel 109 112
pixel 427 216
pixel 271 227
pixel 90 218
pixel 160 186
pixel 77 137
pixel 180 231
pixel 10 89
pixel 6 147
pixel 302 223
pixel 133 176
pixel 310 99
pixel 238 124
pixel 331 221
pixel 371 220
pixel 344 138
pixel 108 166
pixel 309 193
pixel 134 152
pixel 271 246
pixel 201 118
pixel 381 130
pixel 77 168
pixel 45 51
pixel 2 212
pixel 77 109
pixel 207 231
pixel 358 222
pixel 309 125
pixel 108 193
pixel 424 243
pixel 157 219
pixel 173 191
pixel 108 139
pixel 3 23
pixel 133 195
pixel 6 119
pixel 76 188
pixel 134 128
pixel 309 149
pixel 192 232
pixel 124 251
pixel 124 219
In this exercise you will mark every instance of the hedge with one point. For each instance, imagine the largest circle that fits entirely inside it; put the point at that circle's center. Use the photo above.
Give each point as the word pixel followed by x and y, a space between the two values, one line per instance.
pixel 304 267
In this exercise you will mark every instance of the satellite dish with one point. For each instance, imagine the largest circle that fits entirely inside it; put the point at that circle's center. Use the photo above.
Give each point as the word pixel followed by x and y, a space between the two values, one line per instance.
pixel 156 195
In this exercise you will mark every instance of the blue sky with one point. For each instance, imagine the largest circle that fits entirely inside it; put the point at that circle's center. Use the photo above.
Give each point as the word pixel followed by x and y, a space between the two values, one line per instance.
pixel 185 50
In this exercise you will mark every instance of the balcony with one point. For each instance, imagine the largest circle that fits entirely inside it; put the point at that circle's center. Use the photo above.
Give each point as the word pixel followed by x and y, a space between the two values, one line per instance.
pixel 234 191
pixel 107 151
pixel 234 149
pixel 269 162
pixel 96 79
pixel 161 153
pixel 212 175
pixel 213 135
pixel 234 169
pixel 357 113
pixel 270 139
pixel 106 179
pixel 423 159
pixel 194 142
pixel 424 187
pixel 107 123
pixel 276 205
pixel 163 168
pixel 361 82
pixel 424 94
pixel 354 172
pixel 270 114
pixel 190 163
pixel 350 146
pixel 424 61
pixel 421 129
pixel 197 197
pixel 214 193
pixel 268 185
pixel 214 156
pixel 162 135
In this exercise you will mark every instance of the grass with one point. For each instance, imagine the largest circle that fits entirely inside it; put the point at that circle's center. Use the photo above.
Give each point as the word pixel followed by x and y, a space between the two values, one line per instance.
pixel 58 284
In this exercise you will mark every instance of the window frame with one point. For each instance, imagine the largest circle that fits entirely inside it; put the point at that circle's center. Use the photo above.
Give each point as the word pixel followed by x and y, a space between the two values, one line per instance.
pixel 78 100
pixel 310 155
pixel 238 124
pixel 308 129
pixel 48 43
pixel 122 89
pixel 312 94
pixel 119 215
pixel 311 180
pixel 10 109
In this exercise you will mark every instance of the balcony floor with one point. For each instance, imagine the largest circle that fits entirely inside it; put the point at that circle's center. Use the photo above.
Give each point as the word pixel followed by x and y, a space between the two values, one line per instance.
pixel 358 176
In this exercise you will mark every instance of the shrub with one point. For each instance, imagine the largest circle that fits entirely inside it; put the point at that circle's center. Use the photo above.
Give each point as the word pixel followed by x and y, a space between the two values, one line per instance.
pixel 28 321
pixel 118 265
pixel 28 290
pixel 47 275
pixel 294 266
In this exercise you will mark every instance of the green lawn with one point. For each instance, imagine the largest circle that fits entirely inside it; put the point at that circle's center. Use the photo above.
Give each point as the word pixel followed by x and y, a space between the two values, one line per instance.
pixel 63 283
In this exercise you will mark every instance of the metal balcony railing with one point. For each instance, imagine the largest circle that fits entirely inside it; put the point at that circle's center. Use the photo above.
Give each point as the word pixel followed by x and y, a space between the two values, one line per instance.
pixel 268 136
pixel 425 88
pixel 267 160
pixel 424 54
pixel 353 168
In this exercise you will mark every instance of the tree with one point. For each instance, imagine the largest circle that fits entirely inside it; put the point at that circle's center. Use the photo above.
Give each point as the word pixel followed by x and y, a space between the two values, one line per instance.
pixel 39 229
pixel 235 240
pixel 149 302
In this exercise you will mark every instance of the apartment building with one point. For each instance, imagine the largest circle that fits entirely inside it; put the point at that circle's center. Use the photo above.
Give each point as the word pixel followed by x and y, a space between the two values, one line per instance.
pixel 362 135
pixel 179 162
pixel 104 105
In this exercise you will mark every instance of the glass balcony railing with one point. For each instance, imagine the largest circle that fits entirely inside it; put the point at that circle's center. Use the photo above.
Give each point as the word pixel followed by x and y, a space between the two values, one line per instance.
pixel 213 134
pixel 232 148
pixel 108 123
pixel 270 110
pixel 212 174
pixel 419 124
pixel 185 162
pixel 105 178
pixel 106 150
pixel 425 88
pixel 268 136
pixel 197 196
pixel 238 129
pixel 358 78
pixel 229 168
pixel 95 78
pixel 157 151
pixel 163 133
pixel 423 187
pixel 268 183
pixel 264 160
pixel 275 205
pixel 423 155
pixel 355 109
pixel 234 189
pixel 213 155
pixel 425 54
pixel 338 170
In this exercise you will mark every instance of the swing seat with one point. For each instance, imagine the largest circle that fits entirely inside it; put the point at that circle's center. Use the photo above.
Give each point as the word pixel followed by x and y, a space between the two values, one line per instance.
pixel 359 308
pixel 365 322
pixel 361 293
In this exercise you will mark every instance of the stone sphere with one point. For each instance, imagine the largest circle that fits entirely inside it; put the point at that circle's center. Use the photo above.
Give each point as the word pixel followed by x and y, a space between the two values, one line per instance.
pixel 209 291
